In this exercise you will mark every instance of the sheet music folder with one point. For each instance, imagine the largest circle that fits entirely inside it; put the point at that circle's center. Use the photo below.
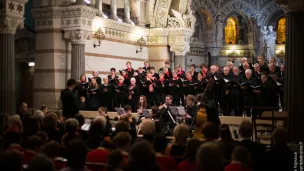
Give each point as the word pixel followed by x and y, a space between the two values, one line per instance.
pixel 120 111
pixel 178 110
pixel 146 112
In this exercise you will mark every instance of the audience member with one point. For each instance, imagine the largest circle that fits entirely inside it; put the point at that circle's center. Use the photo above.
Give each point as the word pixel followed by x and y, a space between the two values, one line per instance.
pixel 147 129
pixel 189 164
pixel 240 160
pixel 76 156
pixel 122 142
pixel 96 132
pixel 115 161
pixel 209 157
pixel 71 127
pixel 41 163
pixel 226 141
pixel 280 157
pixel 43 135
pixel 256 150
pixel 33 146
pixel 142 157
pixel 11 160
pixel 178 147
pixel 52 150
pixel 166 163
pixel 83 133
pixel 49 123
pixel 210 131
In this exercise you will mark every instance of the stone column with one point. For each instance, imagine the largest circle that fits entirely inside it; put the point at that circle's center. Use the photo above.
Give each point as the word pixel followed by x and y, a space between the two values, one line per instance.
pixel 114 10
pixel 98 5
pixel 294 75
pixel 7 73
pixel 78 39
pixel 127 12
pixel 11 18
pixel 180 60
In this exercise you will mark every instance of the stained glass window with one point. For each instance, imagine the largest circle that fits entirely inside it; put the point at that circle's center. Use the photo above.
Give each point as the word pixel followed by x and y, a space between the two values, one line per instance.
pixel 230 31
pixel 281 32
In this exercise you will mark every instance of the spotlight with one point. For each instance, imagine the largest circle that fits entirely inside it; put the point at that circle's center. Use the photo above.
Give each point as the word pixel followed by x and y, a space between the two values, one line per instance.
pixel 31 64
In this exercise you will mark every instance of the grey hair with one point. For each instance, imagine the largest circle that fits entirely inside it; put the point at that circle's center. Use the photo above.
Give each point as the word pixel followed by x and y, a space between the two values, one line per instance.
pixel 256 65
pixel 38 115
pixel 147 127
pixel 248 71
pixel 101 119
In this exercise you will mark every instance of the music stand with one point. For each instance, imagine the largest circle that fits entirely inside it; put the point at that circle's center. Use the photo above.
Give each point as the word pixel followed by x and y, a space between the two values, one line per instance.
pixel 146 113
pixel 174 112
pixel 120 111
pixel 181 111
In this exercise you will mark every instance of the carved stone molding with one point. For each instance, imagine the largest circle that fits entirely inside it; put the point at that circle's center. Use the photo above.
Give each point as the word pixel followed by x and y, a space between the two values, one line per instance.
pixel 77 36
pixel 161 11
pixel 291 6
pixel 11 15
pixel 79 11
pixel 46 12
pixel 179 40
pixel 9 25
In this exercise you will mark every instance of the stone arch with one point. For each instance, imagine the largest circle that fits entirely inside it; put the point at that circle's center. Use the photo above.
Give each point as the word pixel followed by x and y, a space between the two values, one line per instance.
pixel 273 18
pixel 198 5
pixel 244 15
pixel 269 11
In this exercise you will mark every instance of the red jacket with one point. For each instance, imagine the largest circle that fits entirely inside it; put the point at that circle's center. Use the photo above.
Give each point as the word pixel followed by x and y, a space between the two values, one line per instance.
pixel 237 167
pixel 186 165
pixel 166 163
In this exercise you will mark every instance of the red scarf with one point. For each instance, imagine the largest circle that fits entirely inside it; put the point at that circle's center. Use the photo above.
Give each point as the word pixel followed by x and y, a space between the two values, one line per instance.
pixel 129 69
pixel 189 78
pixel 120 84
pixel 175 78
pixel 126 76
pixel 168 74
pixel 161 79
pixel 180 73
pixel 83 81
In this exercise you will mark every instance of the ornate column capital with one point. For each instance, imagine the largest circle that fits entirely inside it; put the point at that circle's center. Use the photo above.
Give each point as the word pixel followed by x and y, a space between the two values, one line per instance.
pixel 77 36
pixel 11 15
pixel 179 40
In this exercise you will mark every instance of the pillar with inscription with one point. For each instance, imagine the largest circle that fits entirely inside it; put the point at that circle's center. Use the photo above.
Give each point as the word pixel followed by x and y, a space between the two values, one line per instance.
pixel 179 42
pixel 12 12
pixel 294 75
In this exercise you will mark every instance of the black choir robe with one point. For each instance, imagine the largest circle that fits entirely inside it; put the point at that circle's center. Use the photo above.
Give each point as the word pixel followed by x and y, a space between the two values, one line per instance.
pixel 133 97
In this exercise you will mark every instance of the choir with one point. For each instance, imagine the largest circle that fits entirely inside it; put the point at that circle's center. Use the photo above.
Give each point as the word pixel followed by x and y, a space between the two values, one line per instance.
pixel 232 87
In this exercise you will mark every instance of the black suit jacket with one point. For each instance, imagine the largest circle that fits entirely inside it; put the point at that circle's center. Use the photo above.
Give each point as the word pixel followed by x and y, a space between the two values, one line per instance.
pixel 257 152
pixel 70 104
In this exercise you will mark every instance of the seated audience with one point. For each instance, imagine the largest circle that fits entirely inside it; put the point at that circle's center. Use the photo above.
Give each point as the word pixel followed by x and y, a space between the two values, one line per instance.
pixel 43 135
pixel 166 163
pixel 122 142
pixel 147 129
pixel 280 157
pixel 99 155
pixel 33 146
pixel 142 157
pixel 189 164
pixel 178 147
pixel 226 141
pixel 41 163
pixel 240 159
pixel 12 160
pixel 96 132
pixel 210 131
pixel 49 123
pixel 104 112
pixel 81 120
pixel 115 161
pixel 257 151
pixel 71 127
pixel 52 150
pixel 76 156
pixel 33 126
pixel 209 157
